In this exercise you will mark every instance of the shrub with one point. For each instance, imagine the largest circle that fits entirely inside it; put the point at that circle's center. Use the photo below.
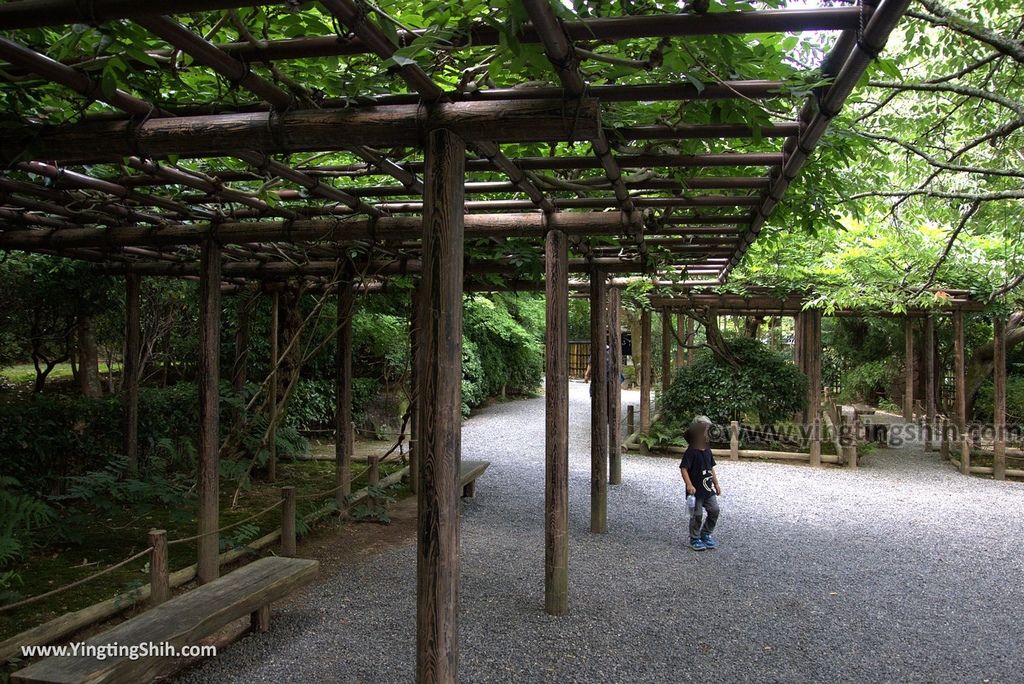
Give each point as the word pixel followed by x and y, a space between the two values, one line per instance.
pixel 869 381
pixel 766 386
pixel 1014 401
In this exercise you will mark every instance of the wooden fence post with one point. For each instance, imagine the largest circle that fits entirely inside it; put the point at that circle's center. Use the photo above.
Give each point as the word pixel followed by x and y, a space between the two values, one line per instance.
pixel 598 404
pixel 440 410
pixel 734 440
pixel 556 440
pixel 849 445
pixel 288 533
pixel 343 432
pixel 631 419
pixel 944 438
pixel 965 453
pixel 159 579
pixel 372 470
pixel 209 412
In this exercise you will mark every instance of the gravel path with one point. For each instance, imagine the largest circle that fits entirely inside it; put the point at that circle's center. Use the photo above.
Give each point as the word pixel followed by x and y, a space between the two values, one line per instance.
pixel 901 571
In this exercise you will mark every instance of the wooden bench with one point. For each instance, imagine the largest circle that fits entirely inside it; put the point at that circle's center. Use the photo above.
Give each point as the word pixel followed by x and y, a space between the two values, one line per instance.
pixel 469 471
pixel 181 621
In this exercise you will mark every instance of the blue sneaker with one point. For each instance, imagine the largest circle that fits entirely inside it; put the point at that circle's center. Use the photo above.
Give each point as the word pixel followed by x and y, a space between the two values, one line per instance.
pixel 709 541
pixel 698 544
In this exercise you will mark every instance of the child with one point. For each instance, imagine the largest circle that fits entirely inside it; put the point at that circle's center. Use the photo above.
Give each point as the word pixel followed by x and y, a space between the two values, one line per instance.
pixel 698 470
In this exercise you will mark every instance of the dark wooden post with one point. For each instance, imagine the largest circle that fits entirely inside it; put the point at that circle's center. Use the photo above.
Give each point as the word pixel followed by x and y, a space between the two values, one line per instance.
pixel 614 388
pixel 631 419
pixel 734 440
pixel 556 441
pixel 437 566
pixel 682 333
pixel 372 470
pixel 132 360
pixel 691 353
pixel 272 392
pixel 798 341
pixel 599 403
pixel 908 374
pixel 343 432
pixel 209 411
pixel 645 371
pixel 960 401
pixel 666 349
pixel 414 390
pixel 928 369
pixel 811 344
pixel 999 397
pixel 288 536
pixel 159 579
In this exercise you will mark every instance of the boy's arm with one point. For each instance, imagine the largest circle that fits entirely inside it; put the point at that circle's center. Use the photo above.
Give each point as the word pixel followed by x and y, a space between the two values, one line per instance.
pixel 690 489
pixel 714 478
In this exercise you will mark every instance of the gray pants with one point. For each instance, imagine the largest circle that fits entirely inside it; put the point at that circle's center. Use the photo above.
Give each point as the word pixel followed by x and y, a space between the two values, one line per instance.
pixel 699 526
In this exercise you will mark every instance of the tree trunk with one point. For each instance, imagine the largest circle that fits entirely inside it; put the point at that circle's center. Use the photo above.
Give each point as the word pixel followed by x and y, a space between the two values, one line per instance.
pixel 982 361
pixel 88 358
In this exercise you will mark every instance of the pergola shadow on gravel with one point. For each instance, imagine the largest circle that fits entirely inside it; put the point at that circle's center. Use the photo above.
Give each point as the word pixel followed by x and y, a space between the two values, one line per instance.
pixel 117 184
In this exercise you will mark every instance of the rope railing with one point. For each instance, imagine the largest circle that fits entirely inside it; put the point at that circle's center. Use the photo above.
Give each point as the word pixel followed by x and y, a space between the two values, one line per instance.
pixel 225 528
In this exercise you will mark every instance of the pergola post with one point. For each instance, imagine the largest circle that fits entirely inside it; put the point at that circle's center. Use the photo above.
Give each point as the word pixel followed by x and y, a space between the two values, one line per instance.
pixel 209 411
pixel 666 349
pixel 437 548
pixel 960 380
pixel 598 403
pixel 811 347
pixel 614 388
pixel 680 358
pixel 414 389
pixel 645 371
pixel 132 360
pixel 690 339
pixel 908 373
pixel 272 400
pixel 928 369
pixel 343 432
pixel 999 397
pixel 556 442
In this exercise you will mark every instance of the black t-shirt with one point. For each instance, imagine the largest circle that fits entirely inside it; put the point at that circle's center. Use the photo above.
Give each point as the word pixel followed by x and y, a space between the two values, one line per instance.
pixel 698 463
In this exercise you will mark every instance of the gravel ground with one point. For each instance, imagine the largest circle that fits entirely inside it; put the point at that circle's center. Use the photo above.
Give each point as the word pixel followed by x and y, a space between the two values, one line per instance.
pixel 900 571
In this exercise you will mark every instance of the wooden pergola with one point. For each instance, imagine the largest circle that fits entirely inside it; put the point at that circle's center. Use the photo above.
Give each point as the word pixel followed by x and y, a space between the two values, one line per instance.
pixel 155 217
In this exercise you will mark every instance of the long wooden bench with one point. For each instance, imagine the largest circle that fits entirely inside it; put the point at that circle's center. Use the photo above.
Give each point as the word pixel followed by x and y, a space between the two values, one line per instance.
pixel 469 472
pixel 181 621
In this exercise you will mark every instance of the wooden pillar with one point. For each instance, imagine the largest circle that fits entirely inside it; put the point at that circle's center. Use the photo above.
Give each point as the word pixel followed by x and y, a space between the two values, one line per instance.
pixel 131 371
pixel 209 411
pixel 159 579
pixel 599 403
pixel 344 434
pixel 372 470
pixel 908 373
pixel 928 369
pixel 556 435
pixel 440 410
pixel 631 419
pixel 614 388
pixel 273 399
pixel 666 349
pixel 691 353
pixel 645 371
pixel 682 323
pixel 999 397
pixel 414 390
pixel 960 399
pixel 811 344
pixel 798 341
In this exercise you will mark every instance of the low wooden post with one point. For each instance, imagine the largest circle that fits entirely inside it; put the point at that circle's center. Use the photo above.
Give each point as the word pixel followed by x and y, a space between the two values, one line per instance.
pixel 288 533
pixel 159 577
pixel 999 398
pixel 908 375
pixel 666 350
pixel 965 453
pixel 440 410
pixel 631 419
pixel 259 619
pixel 209 412
pixel 343 432
pixel 944 438
pixel 556 425
pixel 645 371
pixel 598 404
pixel 614 389
pixel 132 357
pixel 372 470
pixel 849 446
pixel 814 446
pixel 272 401
pixel 734 440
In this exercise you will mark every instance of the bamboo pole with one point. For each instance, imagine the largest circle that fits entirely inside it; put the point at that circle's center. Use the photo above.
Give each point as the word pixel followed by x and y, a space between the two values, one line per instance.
pixel 437 567
pixel 209 412
pixel 598 404
pixel 556 403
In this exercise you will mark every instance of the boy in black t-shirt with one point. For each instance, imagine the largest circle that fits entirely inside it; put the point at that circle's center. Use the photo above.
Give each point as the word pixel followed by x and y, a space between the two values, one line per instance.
pixel 698 470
